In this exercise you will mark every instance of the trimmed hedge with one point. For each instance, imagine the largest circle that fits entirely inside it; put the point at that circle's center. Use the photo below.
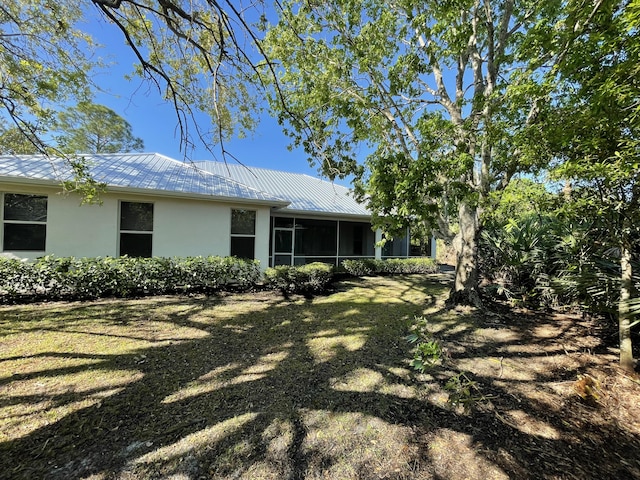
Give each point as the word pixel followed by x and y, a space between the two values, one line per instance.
pixel 69 278
pixel 306 279
pixel 53 278
pixel 369 266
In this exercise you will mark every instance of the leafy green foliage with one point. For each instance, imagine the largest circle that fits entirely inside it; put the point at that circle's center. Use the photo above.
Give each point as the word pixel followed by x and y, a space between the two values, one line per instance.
pixel 519 258
pixel 370 266
pixel 551 259
pixel 594 131
pixel 520 200
pixel 92 128
pixel 13 141
pixel 50 277
pixel 436 92
pixel 426 354
pixel 427 351
pixel 201 57
pixel 83 183
pixel 590 277
pixel 312 278
pixel 43 63
pixel 463 392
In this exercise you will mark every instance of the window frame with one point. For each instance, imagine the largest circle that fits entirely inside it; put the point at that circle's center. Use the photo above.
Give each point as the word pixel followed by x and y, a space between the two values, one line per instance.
pixel 5 221
pixel 122 231
pixel 242 235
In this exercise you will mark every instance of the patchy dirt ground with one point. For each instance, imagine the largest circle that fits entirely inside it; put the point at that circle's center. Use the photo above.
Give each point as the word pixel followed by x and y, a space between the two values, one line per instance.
pixel 253 386
pixel 550 400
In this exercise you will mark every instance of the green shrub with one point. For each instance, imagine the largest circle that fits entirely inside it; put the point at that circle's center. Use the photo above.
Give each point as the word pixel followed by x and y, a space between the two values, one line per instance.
pixel 312 278
pixel 518 258
pixel 16 276
pixel 51 278
pixel 369 266
pixel 427 350
pixel 359 268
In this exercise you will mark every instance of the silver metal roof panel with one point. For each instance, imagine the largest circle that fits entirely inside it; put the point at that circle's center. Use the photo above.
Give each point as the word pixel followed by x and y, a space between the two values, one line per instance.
pixel 140 171
pixel 305 193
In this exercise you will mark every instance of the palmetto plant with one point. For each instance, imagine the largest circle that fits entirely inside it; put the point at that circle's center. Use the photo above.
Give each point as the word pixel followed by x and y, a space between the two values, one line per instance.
pixel 544 260
pixel 595 282
pixel 518 258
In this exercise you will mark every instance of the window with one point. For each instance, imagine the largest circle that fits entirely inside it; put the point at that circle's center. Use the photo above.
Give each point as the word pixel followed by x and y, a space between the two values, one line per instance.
pixel 420 246
pixel 243 233
pixel 136 229
pixel 396 248
pixel 357 239
pixel 25 222
pixel 316 238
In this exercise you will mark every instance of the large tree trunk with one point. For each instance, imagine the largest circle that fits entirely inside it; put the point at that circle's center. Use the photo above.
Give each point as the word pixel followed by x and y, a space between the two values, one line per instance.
pixel 465 287
pixel 624 316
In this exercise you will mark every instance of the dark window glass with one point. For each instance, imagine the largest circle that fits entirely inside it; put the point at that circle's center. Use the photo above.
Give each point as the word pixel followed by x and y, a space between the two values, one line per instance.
pixel 136 244
pixel 243 222
pixel 395 248
pixel 356 239
pixel 283 239
pixel 282 260
pixel 30 208
pixel 283 222
pixel 316 237
pixel 136 216
pixel 420 247
pixel 243 247
pixel 25 237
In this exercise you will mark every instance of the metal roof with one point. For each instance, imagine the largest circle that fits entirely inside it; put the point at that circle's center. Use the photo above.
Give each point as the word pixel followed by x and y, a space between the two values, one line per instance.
pixel 305 193
pixel 138 171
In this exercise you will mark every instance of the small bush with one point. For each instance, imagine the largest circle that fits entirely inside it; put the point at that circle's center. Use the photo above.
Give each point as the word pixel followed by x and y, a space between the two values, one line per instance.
pixel 369 266
pixel 312 278
pixel 50 278
pixel 427 351
pixel 359 268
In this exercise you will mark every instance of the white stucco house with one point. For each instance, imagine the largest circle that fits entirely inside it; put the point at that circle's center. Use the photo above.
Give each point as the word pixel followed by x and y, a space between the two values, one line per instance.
pixel 158 206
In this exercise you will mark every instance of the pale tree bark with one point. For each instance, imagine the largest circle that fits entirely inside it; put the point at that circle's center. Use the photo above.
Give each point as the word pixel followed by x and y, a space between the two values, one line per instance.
pixel 624 315
pixel 465 289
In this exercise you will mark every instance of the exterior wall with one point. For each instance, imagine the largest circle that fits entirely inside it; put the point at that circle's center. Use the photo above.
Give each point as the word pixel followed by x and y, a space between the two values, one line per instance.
pixel 189 228
pixel 263 233
pixel 80 231
pixel 181 227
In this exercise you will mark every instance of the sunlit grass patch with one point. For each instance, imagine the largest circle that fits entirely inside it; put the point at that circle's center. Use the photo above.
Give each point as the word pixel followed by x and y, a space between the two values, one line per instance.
pixel 356 445
pixel 61 358
pixel 197 441
pixel 454 455
pixel 325 346
pixel 228 375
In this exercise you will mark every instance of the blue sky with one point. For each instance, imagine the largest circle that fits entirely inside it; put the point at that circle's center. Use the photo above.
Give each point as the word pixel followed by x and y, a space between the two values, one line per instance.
pixel 155 121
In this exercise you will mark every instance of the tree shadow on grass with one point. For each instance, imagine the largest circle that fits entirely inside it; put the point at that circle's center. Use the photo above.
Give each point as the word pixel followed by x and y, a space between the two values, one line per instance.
pixel 292 389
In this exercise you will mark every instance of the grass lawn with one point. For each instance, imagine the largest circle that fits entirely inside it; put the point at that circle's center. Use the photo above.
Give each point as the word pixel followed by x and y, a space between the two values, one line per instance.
pixel 256 386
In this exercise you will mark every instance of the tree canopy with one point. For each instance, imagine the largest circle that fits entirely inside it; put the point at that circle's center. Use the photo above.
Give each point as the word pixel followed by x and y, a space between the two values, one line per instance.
pixel 91 128
pixel 200 55
pixel 43 64
pixel 594 131
pixel 441 95
pixel 13 141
